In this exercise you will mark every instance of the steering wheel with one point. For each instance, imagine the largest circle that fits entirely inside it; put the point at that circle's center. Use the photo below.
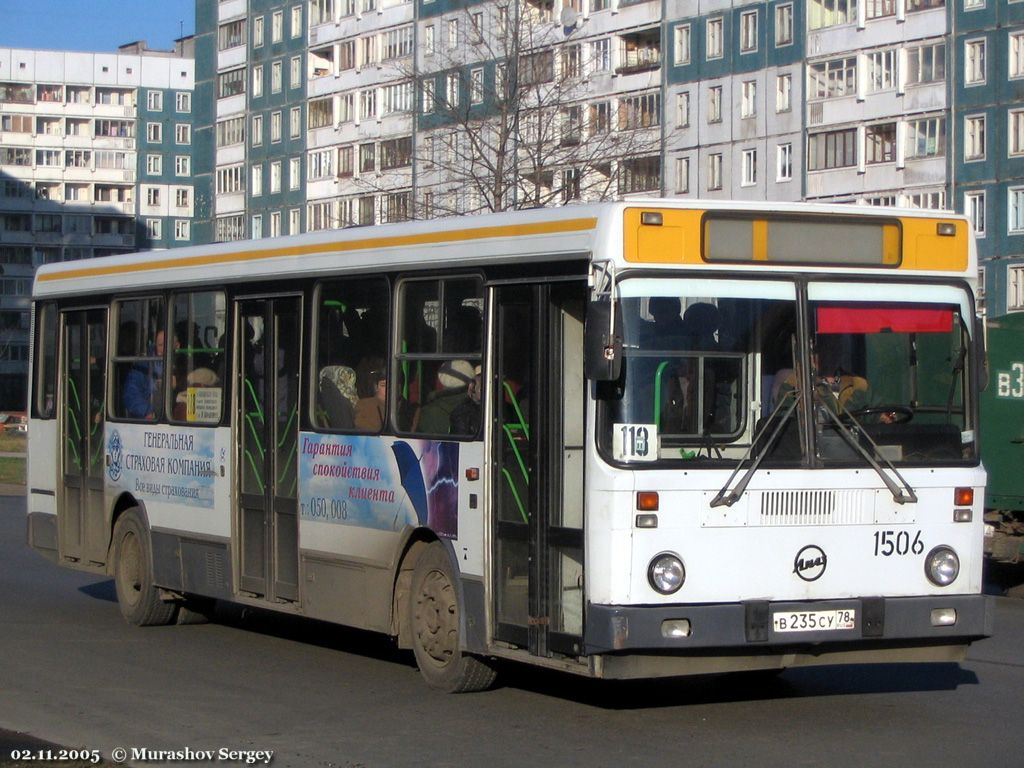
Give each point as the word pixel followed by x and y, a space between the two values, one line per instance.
pixel 886 414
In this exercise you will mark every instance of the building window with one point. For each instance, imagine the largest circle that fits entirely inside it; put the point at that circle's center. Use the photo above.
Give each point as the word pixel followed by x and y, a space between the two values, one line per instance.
pixel 784 93
pixel 1015 140
pixel 154 101
pixel 1015 287
pixel 973 5
pixel 748 105
pixel 881 70
pixel 880 143
pixel 715 104
pixel 832 149
pixel 748 32
pixel 277 27
pixel 181 198
pixel 714 171
pixel 257 227
pixel 294 221
pixel 182 165
pixel 231 83
pixel 974 207
pixel 275 177
pixel 1015 219
pixel 974 62
pixel 276 76
pixel 154 133
pixel 257 130
pixel 295 122
pixel 714 38
pixel 181 229
pixel 476 85
pixel 367 157
pixel 296 21
pixel 453 33
pixel 256 180
pixel 640 174
pixel 878 9
pixel 183 102
pixel 784 24
pixel 682 175
pixel 683 109
pixel 275 127
pixel 1016 46
pixel 452 89
pixel 153 229
pixel 257 81
pixel 926 64
pixel 230 179
pixel 926 137
pixel 822 14
pixel 681 37
pixel 974 137
pixel 257 32
pixel 294 173
pixel 641 111
pixel 601 55
pixel 784 162
pixel 749 168
pixel 295 72
pixel 153 196
pixel 154 165
pixel 182 133
pixel 429 98
pixel 832 79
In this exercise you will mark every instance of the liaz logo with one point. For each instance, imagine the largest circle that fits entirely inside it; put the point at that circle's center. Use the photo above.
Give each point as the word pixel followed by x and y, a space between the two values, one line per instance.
pixel 810 563
pixel 114 449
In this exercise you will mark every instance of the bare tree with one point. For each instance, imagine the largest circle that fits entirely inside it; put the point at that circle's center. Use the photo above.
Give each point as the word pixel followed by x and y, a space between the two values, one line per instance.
pixel 515 110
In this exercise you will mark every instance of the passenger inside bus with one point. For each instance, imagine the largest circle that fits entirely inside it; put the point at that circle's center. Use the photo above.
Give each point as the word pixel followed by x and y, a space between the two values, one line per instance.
pixel 372 385
pixel 453 379
pixel 143 384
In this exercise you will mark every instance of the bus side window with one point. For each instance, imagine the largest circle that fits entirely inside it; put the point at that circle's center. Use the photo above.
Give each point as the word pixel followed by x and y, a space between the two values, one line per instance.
pixel 45 379
pixel 352 319
pixel 440 349
pixel 140 346
pixel 198 356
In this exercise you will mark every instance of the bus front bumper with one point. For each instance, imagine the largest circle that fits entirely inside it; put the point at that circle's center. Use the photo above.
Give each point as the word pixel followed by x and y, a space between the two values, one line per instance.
pixel 763 635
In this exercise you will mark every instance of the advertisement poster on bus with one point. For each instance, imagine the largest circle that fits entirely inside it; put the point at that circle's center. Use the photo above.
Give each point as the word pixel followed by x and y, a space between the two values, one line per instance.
pixel 164 464
pixel 374 483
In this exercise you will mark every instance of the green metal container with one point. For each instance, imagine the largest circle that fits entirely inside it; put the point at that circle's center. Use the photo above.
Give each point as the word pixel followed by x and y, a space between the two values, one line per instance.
pixel 1002 414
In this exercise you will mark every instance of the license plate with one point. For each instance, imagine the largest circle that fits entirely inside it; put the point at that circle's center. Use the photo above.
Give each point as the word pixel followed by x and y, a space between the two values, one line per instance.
pixel 814 621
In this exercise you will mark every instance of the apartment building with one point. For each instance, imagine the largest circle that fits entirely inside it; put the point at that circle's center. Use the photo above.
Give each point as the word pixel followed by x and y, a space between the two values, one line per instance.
pixel 96 155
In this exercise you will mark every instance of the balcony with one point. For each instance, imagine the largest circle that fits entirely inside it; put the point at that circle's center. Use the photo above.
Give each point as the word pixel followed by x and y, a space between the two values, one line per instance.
pixel 639 52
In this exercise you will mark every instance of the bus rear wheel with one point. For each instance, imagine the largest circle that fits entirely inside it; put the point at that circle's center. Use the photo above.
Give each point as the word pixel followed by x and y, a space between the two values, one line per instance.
pixel 434 615
pixel 137 597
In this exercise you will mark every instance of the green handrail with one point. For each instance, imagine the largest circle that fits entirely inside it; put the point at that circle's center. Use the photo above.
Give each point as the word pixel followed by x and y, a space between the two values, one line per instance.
pixel 657 393
pixel 515 495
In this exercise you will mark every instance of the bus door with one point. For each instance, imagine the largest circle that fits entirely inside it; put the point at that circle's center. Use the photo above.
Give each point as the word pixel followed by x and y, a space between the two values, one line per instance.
pixel 267 426
pixel 82 526
pixel 537 404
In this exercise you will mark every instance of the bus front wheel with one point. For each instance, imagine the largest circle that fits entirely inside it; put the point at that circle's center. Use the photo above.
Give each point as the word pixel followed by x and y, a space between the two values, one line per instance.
pixel 137 597
pixel 434 615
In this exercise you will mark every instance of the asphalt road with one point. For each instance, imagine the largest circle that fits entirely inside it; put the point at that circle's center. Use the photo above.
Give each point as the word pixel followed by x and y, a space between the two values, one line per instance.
pixel 73 673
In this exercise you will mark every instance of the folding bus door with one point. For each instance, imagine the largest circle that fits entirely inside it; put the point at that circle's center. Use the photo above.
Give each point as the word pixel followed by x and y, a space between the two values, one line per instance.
pixel 82 530
pixel 537 399
pixel 268 431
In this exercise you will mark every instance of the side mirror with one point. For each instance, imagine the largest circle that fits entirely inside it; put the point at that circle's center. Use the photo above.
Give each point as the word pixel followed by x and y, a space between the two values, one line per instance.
pixel 602 359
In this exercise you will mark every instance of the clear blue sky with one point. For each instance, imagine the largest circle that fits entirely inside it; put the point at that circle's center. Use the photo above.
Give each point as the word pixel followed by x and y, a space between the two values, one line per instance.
pixel 94 25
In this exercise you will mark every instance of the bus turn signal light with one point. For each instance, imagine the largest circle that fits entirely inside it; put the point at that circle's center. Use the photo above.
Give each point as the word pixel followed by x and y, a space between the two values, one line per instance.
pixel 963 497
pixel 647 501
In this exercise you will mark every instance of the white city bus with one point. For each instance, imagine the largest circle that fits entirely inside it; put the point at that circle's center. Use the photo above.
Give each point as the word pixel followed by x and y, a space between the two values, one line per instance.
pixel 633 439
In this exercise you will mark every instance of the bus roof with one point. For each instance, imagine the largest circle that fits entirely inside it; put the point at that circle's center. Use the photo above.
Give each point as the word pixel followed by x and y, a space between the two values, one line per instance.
pixel 543 234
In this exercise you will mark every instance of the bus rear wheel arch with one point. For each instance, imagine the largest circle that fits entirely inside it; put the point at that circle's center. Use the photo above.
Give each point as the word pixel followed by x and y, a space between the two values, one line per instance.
pixel 434 618
pixel 137 596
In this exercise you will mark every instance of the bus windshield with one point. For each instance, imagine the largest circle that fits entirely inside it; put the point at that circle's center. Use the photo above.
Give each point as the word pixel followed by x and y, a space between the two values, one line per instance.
pixel 706 362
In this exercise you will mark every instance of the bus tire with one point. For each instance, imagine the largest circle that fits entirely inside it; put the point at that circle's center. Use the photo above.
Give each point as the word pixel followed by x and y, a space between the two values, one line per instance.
pixel 137 597
pixel 434 616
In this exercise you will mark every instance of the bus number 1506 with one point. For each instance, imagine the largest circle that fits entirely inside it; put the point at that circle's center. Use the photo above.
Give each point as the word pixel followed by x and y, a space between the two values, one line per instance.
pixel 889 543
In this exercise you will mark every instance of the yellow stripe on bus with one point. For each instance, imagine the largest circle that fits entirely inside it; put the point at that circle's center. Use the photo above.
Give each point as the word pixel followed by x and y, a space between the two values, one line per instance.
pixel 428 238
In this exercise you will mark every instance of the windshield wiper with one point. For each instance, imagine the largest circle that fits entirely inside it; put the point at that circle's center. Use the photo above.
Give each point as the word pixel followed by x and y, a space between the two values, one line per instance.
pixel 898 494
pixel 728 497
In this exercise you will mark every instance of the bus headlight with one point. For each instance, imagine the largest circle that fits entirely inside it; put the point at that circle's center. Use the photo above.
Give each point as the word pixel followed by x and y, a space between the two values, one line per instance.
pixel 666 573
pixel 942 566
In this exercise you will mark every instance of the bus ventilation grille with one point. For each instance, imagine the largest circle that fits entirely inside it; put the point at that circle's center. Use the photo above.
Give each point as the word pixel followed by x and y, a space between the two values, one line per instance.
pixel 824 507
